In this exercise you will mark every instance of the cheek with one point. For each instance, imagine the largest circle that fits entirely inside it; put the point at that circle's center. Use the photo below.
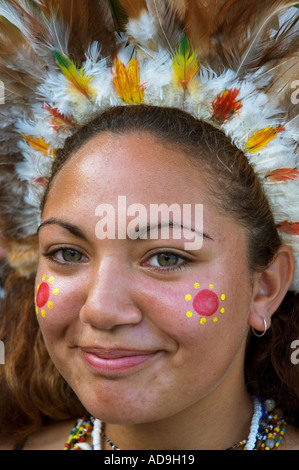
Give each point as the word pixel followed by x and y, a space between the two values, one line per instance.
pixel 46 294
pixel 56 302
pixel 205 324
pixel 205 302
pixel 202 318
pixel 188 310
pixel 213 322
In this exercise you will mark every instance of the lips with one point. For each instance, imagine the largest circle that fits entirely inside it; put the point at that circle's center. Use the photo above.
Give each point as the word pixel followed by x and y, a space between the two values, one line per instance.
pixel 109 361
pixel 114 353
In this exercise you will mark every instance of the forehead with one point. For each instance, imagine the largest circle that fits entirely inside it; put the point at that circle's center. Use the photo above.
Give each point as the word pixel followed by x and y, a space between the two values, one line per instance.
pixel 144 170
pixel 135 165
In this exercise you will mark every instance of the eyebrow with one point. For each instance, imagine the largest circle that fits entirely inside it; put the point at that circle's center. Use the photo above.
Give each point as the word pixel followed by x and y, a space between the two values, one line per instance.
pixel 144 230
pixel 73 229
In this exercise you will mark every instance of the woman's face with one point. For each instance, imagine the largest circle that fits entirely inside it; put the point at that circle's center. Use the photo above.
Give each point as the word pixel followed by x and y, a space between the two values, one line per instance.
pixel 141 328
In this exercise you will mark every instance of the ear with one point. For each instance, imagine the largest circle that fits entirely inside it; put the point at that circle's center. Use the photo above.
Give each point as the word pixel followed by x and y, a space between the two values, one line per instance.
pixel 270 288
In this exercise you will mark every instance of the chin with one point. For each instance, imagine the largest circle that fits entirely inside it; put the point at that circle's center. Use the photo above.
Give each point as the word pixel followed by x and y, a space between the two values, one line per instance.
pixel 123 411
pixel 121 416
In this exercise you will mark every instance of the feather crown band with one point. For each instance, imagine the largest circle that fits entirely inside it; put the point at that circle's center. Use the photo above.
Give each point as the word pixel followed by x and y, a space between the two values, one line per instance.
pixel 232 64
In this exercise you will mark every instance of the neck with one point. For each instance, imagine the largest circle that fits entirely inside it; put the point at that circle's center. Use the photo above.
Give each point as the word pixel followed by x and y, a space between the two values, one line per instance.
pixel 217 421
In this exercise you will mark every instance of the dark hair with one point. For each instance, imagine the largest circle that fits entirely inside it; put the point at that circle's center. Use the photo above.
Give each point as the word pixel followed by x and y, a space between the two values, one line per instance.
pixel 268 368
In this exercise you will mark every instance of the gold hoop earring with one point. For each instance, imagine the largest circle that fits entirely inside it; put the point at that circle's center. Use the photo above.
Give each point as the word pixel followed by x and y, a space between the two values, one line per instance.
pixel 259 335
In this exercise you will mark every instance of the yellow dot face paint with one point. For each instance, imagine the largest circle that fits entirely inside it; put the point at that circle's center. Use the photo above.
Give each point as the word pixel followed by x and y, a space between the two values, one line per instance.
pixel 206 303
pixel 44 293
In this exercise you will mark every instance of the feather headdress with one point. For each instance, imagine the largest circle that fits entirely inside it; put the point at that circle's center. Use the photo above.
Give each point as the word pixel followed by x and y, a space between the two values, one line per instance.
pixel 233 64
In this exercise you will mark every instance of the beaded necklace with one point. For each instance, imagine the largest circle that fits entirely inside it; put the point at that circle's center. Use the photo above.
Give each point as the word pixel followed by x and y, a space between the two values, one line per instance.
pixel 266 431
pixel 270 431
pixel 79 434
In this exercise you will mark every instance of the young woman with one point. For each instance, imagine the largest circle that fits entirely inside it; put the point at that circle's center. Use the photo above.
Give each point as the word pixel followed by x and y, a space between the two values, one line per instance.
pixel 158 345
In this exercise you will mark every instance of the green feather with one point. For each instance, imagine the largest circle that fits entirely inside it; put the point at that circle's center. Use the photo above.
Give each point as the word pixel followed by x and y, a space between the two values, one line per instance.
pixel 76 77
pixel 118 14
pixel 184 46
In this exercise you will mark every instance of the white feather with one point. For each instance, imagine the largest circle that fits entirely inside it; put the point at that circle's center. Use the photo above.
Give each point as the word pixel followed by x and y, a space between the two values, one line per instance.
pixel 277 12
pixel 8 12
pixel 143 30
pixel 156 76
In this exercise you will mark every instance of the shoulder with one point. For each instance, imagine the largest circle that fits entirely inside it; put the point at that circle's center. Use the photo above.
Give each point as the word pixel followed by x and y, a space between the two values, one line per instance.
pixel 6 444
pixel 51 437
pixel 291 439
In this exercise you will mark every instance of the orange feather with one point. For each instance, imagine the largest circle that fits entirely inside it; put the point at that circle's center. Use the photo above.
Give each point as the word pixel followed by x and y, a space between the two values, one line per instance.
pixel 283 174
pixel 39 144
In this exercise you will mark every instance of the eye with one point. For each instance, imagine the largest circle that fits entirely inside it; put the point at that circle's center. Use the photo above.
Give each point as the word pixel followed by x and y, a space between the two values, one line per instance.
pixel 65 256
pixel 71 256
pixel 166 261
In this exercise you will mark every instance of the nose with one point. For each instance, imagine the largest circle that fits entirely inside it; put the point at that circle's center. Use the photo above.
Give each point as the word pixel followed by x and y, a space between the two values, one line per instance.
pixel 110 298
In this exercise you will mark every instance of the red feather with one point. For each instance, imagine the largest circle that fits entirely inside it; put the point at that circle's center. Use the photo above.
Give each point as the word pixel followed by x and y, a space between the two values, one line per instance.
pixel 289 227
pixel 225 104
pixel 59 120
pixel 42 181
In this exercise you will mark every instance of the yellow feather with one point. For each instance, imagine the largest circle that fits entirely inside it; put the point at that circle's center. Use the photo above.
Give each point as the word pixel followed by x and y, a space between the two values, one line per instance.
pixel 185 65
pixel 39 144
pixel 126 81
pixel 261 138
pixel 77 78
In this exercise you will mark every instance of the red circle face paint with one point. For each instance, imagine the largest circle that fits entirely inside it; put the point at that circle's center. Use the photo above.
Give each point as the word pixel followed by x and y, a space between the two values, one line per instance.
pixel 206 303
pixel 43 294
